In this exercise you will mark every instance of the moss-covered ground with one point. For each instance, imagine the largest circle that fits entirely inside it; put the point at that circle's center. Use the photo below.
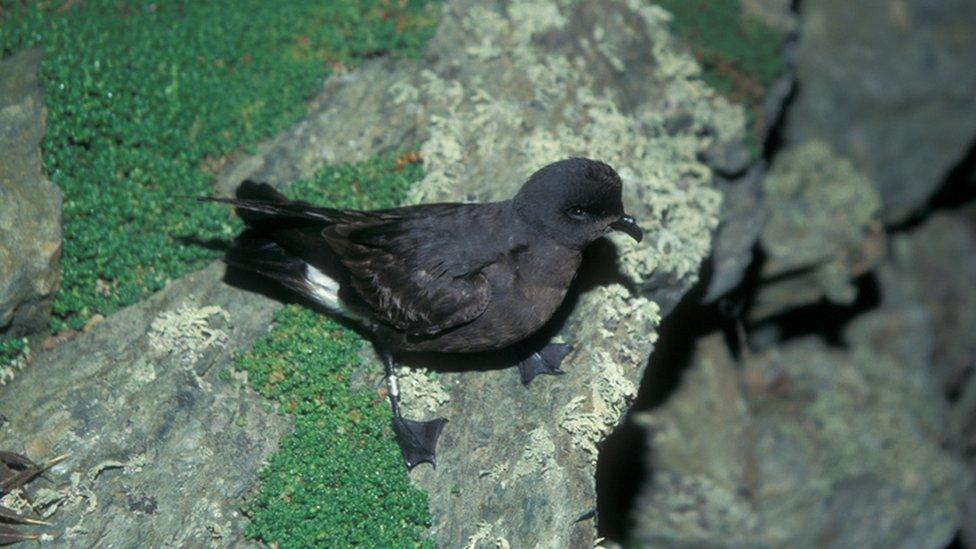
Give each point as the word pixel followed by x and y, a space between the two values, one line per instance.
pixel 146 97
pixel 338 479
pixel 740 57
pixel 145 100
pixel 11 350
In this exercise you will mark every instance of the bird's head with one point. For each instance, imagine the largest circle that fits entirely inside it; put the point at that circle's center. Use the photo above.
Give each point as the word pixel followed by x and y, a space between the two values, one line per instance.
pixel 575 202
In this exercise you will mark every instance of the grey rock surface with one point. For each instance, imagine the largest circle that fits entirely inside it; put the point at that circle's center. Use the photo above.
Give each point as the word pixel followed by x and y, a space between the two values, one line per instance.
pixel 934 266
pixel 742 220
pixel 888 83
pixel 30 205
pixel 823 229
pixel 566 78
pixel 161 450
pixel 804 446
pixel 504 89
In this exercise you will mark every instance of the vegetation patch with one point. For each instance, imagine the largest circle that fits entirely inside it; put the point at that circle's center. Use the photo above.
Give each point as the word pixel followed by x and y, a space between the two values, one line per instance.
pixel 740 57
pixel 14 354
pixel 338 479
pixel 145 99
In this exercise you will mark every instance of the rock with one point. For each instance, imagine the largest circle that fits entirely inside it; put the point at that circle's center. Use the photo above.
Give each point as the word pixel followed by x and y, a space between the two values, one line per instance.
pixel 566 78
pixel 889 86
pixel 575 78
pixel 822 232
pixel 807 446
pixel 161 450
pixel 934 266
pixel 30 205
pixel 572 78
pixel 742 219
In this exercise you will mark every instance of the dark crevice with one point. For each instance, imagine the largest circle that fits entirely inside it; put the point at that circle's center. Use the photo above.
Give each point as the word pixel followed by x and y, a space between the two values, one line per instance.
pixel 621 467
pixel 958 189
pixel 825 319
pixel 957 542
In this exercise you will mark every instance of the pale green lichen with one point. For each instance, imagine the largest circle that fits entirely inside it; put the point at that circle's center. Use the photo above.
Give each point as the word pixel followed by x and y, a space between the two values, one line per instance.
pixel 819 204
pixel 823 228
pixel 187 330
pixel 482 534
pixel 614 345
pixel 474 122
pixel 420 392
pixel 538 456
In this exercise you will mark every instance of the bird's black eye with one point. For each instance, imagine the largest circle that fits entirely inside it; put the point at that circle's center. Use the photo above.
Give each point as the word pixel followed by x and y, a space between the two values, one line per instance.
pixel 576 212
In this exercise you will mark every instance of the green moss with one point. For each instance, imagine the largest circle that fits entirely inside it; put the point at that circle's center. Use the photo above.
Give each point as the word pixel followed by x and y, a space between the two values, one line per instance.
pixel 11 350
pixel 337 479
pixel 740 57
pixel 145 98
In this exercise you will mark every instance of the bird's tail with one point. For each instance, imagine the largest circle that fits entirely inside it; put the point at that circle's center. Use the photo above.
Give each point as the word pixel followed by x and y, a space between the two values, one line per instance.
pixel 282 241
pixel 257 253
pixel 259 203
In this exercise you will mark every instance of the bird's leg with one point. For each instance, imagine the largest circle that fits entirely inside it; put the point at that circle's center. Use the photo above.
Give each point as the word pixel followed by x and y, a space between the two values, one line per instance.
pixel 417 439
pixel 544 361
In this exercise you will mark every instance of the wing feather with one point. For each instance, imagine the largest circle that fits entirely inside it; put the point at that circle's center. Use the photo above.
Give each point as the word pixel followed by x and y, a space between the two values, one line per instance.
pixel 414 271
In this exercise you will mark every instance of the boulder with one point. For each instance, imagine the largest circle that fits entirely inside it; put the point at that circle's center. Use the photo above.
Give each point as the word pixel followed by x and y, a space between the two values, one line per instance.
pixel 804 446
pixel 503 90
pixel 934 266
pixel 30 205
pixel 160 450
pixel 823 230
pixel 887 83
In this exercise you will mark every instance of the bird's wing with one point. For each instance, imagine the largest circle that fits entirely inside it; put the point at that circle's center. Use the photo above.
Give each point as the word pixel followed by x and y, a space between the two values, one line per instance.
pixel 414 267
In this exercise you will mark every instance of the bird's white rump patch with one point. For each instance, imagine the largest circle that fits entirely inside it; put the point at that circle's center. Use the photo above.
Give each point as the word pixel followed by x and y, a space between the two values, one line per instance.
pixel 324 289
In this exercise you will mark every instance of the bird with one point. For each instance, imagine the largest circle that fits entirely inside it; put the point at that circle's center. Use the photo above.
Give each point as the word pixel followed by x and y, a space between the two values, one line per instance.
pixel 441 278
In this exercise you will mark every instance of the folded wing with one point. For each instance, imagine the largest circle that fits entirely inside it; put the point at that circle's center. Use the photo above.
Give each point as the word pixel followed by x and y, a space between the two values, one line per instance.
pixel 413 267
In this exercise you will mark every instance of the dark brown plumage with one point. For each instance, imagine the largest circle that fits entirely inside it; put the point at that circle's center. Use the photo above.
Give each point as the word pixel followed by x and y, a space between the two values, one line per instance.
pixel 438 277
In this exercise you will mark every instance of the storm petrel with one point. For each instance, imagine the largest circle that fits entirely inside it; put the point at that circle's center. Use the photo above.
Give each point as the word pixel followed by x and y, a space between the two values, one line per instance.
pixel 438 277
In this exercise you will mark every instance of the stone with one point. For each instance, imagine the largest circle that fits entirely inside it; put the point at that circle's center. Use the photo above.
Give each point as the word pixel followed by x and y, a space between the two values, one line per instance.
pixel 742 219
pixel 823 230
pixel 934 266
pixel 30 205
pixel 803 444
pixel 161 449
pixel 889 86
pixel 515 464
pixel 567 78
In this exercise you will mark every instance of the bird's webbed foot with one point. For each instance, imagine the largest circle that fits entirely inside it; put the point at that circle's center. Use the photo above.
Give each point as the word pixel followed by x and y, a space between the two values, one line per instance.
pixel 417 439
pixel 544 361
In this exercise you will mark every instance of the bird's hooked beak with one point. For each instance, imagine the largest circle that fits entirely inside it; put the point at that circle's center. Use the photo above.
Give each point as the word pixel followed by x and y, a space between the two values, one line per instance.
pixel 628 225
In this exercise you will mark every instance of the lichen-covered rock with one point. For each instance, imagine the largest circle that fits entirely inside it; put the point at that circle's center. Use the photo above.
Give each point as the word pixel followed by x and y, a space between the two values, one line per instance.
pixel 888 85
pixel 161 450
pixel 30 205
pixel 566 78
pixel 808 446
pixel 823 229
pixel 505 89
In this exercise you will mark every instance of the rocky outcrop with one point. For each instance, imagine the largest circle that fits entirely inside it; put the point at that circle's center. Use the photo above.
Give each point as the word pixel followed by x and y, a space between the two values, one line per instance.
pixel 30 205
pixel 604 81
pixel 504 89
pixel 887 84
pixel 934 266
pixel 161 450
pixel 804 446
pixel 823 230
